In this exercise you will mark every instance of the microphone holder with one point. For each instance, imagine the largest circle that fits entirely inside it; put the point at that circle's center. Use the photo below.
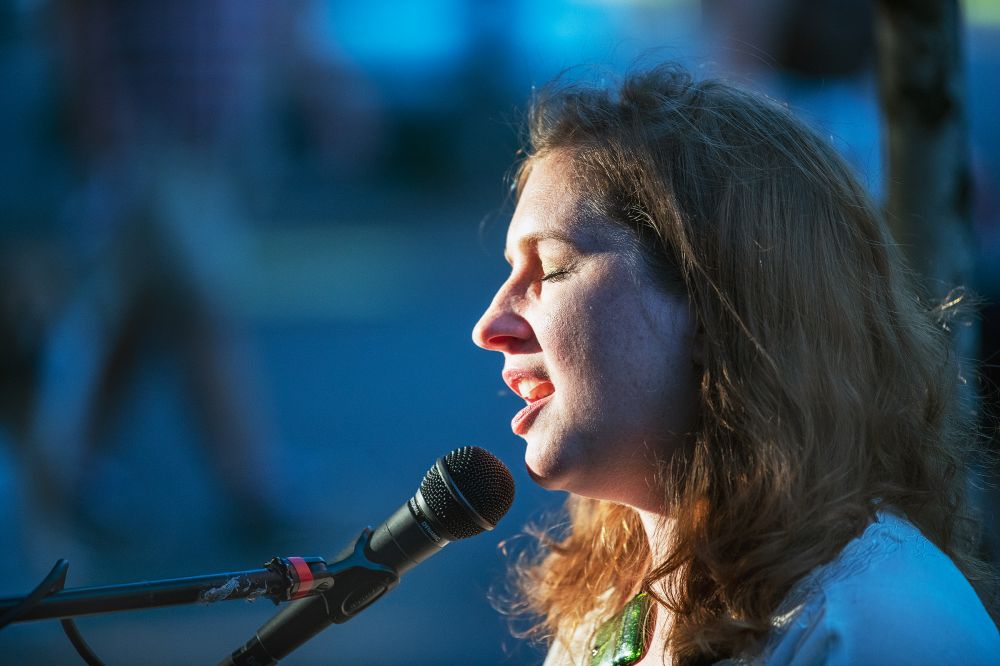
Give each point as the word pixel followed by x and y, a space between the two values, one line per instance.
pixel 359 583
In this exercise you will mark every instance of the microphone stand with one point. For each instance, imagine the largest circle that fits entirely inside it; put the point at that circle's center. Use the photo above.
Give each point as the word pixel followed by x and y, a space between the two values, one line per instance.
pixel 281 579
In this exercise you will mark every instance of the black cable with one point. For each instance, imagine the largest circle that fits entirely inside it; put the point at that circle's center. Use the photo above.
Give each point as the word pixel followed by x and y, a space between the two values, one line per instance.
pixel 52 583
pixel 76 638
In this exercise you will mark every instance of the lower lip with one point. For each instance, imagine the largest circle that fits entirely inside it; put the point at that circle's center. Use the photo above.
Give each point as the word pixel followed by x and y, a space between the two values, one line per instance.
pixel 522 421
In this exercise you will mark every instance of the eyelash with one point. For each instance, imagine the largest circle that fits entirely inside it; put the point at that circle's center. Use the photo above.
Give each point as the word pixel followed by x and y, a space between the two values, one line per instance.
pixel 555 276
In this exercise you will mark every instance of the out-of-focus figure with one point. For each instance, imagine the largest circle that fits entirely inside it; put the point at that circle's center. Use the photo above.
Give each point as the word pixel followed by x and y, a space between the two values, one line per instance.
pixel 137 260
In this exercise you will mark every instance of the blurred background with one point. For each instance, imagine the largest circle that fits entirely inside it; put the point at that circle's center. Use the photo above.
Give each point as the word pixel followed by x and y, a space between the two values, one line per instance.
pixel 242 247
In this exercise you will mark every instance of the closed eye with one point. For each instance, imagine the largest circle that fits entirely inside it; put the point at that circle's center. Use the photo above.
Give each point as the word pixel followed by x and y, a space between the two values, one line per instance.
pixel 556 275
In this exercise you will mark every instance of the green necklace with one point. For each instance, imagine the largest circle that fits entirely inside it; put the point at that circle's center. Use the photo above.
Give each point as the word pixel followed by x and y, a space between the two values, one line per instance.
pixel 624 639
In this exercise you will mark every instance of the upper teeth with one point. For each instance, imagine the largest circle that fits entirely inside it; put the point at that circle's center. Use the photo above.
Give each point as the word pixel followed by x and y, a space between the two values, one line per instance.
pixel 533 389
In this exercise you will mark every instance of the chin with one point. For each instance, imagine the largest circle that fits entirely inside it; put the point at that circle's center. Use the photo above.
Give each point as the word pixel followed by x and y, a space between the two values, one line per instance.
pixel 543 480
pixel 545 471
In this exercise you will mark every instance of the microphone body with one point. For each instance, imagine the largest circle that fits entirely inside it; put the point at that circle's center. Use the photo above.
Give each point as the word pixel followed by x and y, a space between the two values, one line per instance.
pixel 407 537
pixel 463 494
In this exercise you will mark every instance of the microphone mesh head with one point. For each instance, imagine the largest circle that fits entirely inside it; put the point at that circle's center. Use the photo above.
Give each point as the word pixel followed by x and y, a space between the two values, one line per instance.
pixel 483 480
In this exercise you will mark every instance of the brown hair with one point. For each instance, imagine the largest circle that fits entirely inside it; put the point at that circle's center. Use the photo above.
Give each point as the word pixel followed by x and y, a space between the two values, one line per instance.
pixel 827 390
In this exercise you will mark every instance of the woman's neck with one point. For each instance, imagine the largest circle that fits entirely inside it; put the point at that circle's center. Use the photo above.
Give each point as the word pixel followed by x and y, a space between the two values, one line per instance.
pixel 658 528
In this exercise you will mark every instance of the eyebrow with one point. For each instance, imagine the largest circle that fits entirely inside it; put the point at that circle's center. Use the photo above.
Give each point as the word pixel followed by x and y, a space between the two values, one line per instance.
pixel 536 237
pixel 584 236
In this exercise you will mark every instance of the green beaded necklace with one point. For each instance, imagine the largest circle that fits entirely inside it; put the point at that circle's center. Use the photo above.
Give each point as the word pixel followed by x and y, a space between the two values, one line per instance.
pixel 624 639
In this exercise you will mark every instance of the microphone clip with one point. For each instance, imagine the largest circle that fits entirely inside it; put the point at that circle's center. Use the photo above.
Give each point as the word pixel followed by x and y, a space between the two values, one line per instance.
pixel 347 585
pixel 338 590
pixel 355 581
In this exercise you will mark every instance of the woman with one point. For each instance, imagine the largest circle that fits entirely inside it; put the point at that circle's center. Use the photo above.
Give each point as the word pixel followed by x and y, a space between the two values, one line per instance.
pixel 727 367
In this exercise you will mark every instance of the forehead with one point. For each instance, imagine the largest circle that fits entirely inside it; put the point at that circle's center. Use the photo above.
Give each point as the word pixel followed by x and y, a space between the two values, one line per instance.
pixel 551 206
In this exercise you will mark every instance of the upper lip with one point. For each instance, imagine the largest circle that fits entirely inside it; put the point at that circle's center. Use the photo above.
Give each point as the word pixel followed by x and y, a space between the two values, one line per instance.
pixel 514 376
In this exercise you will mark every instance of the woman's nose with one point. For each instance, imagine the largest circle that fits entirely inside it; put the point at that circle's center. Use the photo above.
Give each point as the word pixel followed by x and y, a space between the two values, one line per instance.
pixel 502 329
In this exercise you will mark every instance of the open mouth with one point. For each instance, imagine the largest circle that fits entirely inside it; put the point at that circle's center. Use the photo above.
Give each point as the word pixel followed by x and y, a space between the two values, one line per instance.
pixel 535 389
pixel 529 384
pixel 532 389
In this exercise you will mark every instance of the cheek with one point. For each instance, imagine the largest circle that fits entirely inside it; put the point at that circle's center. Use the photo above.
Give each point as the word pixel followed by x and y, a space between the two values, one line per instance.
pixel 566 336
pixel 596 348
pixel 611 335
pixel 640 357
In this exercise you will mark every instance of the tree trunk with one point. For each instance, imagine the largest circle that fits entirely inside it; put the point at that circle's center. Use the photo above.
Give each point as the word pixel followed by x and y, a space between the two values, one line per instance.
pixel 923 102
pixel 928 176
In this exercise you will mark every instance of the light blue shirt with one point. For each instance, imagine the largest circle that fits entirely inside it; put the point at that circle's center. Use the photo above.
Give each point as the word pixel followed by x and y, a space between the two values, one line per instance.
pixel 890 597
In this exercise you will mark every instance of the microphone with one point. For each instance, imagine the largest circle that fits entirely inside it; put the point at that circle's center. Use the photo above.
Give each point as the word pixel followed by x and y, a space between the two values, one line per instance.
pixel 464 493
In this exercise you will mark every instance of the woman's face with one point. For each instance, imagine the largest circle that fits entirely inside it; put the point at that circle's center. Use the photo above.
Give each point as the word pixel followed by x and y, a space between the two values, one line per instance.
pixel 601 356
